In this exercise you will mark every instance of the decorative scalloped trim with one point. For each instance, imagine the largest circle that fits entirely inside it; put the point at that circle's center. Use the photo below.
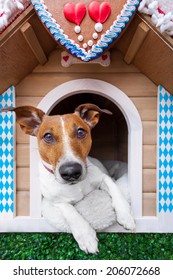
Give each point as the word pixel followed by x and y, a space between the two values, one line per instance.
pixel 97 49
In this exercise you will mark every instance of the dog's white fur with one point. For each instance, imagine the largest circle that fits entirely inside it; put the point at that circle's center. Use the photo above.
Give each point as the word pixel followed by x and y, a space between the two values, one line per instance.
pixel 59 198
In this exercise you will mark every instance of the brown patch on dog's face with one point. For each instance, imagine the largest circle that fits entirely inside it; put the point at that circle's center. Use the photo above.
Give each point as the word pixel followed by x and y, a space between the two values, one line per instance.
pixel 79 135
pixel 56 131
pixel 51 150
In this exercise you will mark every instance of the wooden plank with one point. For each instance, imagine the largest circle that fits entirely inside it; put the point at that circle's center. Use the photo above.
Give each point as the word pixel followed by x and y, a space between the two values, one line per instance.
pixel 123 43
pixel 46 40
pixel 17 61
pixel 33 42
pixel 22 207
pixel 21 137
pixel 149 156
pixel 22 155
pixel 133 84
pixel 149 177
pixel 137 40
pixel 23 101
pixel 150 59
pixel 149 132
pixel 147 107
pixel 117 65
pixel 23 179
pixel 149 204
pixel 167 38
pixel 157 66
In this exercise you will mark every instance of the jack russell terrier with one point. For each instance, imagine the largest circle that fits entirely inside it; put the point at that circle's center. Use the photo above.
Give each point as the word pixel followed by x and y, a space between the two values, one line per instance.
pixel 67 174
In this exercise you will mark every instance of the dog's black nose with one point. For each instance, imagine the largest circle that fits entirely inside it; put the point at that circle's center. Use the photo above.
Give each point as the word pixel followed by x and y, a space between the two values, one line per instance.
pixel 70 171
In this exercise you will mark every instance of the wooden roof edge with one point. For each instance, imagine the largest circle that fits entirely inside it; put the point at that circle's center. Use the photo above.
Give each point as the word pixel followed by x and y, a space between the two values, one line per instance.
pixel 163 36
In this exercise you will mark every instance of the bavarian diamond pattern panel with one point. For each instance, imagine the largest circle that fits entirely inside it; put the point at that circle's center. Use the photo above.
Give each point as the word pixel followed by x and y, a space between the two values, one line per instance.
pixel 7 157
pixel 165 151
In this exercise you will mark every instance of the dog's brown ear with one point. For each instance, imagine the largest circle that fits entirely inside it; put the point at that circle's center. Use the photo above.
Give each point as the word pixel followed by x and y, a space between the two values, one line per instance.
pixel 29 118
pixel 90 113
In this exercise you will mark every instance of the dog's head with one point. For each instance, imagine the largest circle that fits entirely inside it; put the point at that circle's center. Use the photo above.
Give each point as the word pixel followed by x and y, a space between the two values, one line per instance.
pixel 64 141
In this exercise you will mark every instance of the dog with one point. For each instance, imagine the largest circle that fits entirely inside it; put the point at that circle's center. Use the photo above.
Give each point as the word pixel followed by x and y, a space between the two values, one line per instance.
pixel 67 174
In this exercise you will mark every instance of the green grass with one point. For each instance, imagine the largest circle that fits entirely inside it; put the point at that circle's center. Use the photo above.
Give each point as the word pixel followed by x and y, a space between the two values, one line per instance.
pixel 61 246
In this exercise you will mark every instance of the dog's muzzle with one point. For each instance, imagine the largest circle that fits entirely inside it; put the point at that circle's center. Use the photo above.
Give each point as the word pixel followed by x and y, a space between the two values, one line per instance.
pixel 70 171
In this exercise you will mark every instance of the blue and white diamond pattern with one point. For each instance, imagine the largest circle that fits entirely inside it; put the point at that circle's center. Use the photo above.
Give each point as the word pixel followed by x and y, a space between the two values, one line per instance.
pixel 165 151
pixel 7 156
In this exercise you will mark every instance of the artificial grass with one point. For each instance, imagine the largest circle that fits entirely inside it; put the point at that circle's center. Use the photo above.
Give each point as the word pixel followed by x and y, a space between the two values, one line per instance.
pixel 61 246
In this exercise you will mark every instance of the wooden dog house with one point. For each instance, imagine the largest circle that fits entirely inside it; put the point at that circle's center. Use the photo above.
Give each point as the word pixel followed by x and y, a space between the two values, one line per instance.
pixel 137 87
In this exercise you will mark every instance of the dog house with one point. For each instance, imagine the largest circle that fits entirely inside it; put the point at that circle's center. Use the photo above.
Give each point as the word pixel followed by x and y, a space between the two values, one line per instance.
pixel 123 142
pixel 108 142
pixel 139 132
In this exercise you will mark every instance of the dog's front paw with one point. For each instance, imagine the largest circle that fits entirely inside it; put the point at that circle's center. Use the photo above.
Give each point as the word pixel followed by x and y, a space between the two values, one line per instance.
pixel 87 240
pixel 126 220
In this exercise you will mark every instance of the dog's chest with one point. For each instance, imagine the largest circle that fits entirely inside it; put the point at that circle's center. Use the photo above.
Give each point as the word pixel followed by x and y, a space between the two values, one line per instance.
pixel 74 193
pixel 66 193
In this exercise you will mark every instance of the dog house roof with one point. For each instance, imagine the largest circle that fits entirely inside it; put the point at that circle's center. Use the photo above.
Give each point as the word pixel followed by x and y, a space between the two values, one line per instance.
pixel 25 43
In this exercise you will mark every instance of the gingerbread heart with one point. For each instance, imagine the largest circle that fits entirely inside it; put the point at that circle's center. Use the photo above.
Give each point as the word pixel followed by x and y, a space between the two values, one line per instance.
pixel 85 35
pixel 99 12
pixel 75 13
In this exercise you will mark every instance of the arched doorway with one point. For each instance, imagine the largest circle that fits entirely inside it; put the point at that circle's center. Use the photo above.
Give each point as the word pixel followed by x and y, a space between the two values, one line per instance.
pixel 107 96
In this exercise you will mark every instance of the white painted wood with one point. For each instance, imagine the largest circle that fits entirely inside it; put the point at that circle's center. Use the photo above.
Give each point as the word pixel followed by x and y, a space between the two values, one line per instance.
pixel 35 194
pixel 28 224
pixel 132 117
pixel 165 221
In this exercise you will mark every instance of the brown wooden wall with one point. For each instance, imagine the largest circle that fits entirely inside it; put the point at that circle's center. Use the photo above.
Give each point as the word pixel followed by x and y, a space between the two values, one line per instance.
pixel 127 78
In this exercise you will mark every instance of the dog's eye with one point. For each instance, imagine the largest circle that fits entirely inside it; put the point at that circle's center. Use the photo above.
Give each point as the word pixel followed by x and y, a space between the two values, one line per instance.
pixel 81 133
pixel 48 138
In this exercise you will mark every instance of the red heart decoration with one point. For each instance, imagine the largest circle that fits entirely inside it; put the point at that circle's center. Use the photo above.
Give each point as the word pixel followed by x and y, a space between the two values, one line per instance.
pixel 104 56
pixel 66 58
pixel 75 13
pixel 99 12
